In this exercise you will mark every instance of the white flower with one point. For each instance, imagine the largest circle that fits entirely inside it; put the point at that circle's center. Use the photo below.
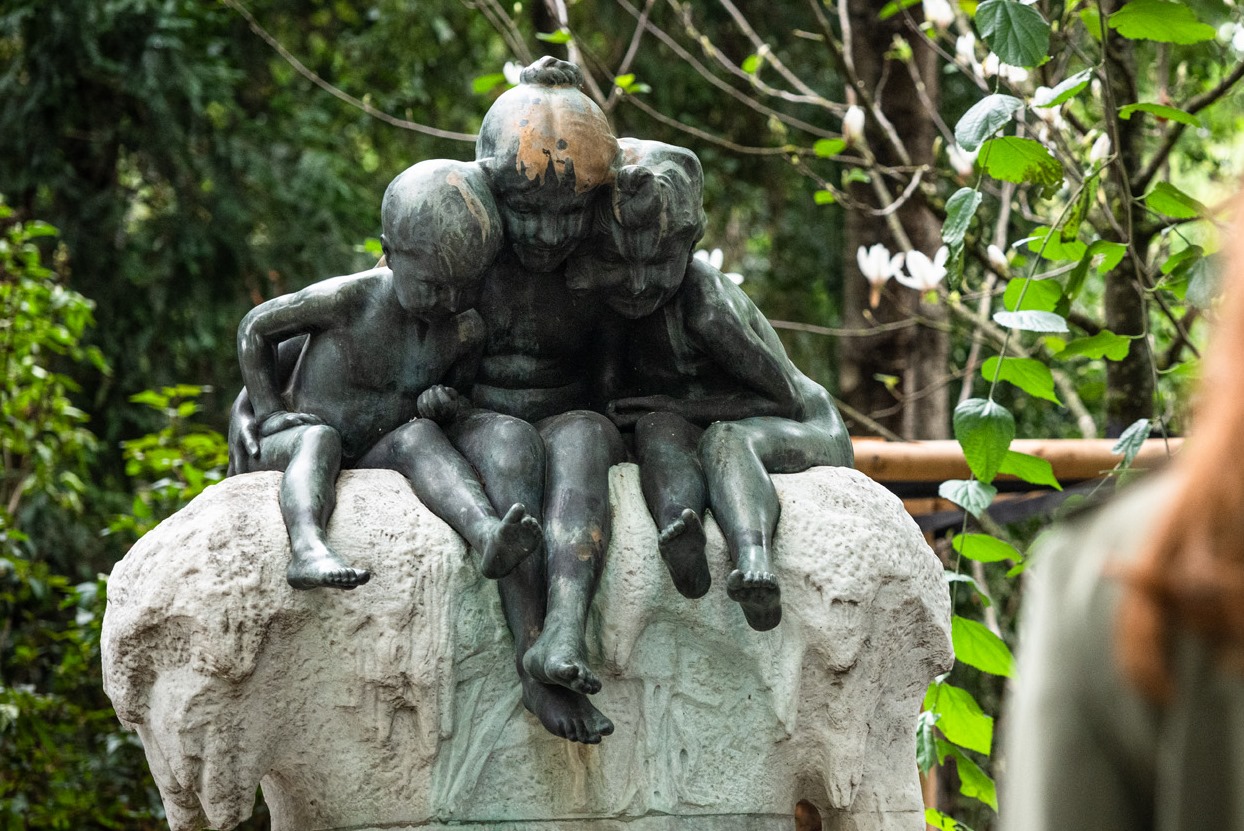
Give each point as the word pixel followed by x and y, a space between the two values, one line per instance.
pixel 1100 150
pixel 878 267
pixel 924 274
pixel 965 48
pixel 1237 39
pixel 715 258
pixel 994 66
pixel 998 260
pixel 512 70
pixel 939 13
pixel 963 161
pixel 853 125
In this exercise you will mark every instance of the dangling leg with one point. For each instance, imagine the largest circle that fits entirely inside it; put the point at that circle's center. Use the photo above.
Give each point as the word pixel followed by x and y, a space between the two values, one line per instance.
pixel 310 455
pixel 509 455
pixel 447 484
pixel 581 447
pixel 673 484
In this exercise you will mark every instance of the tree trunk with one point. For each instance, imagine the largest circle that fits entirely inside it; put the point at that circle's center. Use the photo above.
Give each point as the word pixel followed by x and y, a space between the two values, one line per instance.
pixel 1129 383
pixel 916 404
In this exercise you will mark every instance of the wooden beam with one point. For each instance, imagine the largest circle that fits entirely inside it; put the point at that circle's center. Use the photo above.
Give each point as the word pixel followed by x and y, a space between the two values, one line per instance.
pixel 1073 460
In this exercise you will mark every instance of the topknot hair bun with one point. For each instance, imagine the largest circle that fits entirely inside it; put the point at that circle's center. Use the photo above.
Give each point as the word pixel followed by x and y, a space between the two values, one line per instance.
pixel 551 72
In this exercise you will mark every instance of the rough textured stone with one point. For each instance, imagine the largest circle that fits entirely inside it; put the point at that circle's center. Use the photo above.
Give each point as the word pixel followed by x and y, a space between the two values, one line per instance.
pixel 396 705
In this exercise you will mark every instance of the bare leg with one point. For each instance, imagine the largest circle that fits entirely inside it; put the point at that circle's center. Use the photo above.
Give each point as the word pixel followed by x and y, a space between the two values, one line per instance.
pixel 673 485
pixel 447 484
pixel 581 446
pixel 509 455
pixel 311 458
pixel 738 457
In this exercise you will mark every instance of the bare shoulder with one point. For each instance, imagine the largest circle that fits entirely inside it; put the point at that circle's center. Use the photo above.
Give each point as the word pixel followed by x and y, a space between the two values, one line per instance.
pixel 712 300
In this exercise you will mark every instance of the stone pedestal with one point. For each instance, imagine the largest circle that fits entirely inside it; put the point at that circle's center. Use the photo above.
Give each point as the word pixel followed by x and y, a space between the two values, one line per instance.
pixel 396 705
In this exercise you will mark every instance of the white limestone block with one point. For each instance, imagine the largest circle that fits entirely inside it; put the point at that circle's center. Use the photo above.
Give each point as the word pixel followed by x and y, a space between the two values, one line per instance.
pixel 396 705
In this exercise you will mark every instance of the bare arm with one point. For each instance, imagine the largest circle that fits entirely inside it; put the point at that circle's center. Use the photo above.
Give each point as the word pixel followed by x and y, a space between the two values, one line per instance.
pixel 316 308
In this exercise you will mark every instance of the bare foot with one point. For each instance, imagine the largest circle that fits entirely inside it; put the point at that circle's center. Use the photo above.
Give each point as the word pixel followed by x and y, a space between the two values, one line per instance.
pixel 559 657
pixel 754 586
pixel 565 713
pixel 513 539
pixel 320 567
pixel 682 547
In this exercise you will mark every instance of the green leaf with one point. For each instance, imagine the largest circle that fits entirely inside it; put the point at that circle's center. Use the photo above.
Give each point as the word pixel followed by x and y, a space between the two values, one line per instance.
pixel 985 548
pixel 960 718
pixel 1105 344
pixel 1131 441
pixel 969 494
pixel 1051 245
pixel 942 822
pixel 1035 295
pixel 973 781
pixel 1167 199
pixel 1029 374
pixel 926 741
pixel 828 147
pixel 976 646
pixel 1182 258
pixel 1031 321
pixel 985 118
pixel 1032 469
pixel 560 36
pixel 1017 33
pixel 984 430
pixel 1160 21
pixel 1020 160
pixel 1069 88
pixel 952 578
pixel 750 64
pixel 894 7
pixel 823 197
pixel 960 208
pixel 485 84
pixel 1161 111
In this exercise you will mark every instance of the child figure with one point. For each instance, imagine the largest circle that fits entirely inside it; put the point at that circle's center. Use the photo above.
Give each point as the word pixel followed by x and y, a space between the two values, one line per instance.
pixel 367 392
pixel 700 355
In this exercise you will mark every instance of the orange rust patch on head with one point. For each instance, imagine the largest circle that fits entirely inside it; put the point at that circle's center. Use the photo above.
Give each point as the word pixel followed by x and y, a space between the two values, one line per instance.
pixel 559 126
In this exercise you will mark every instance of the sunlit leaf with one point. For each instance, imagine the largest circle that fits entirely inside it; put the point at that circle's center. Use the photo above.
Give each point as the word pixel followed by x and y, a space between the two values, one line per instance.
pixel 1069 88
pixel 1029 374
pixel 960 718
pixel 1104 344
pixel 1161 111
pixel 894 7
pixel 1051 245
pixel 1032 469
pixel 984 430
pixel 1034 295
pixel 1161 21
pixel 828 147
pixel 1167 199
pixel 1020 160
pixel 976 646
pixel 985 548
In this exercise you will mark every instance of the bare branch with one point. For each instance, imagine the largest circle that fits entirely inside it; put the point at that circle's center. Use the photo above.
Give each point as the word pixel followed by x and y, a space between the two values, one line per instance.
pixel 631 51
pixel 340 94
pixel 772 57
pixel 709 137
pixel 500 19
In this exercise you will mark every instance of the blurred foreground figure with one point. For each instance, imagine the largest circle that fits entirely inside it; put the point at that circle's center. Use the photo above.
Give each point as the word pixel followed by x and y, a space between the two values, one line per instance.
pixel 1130 705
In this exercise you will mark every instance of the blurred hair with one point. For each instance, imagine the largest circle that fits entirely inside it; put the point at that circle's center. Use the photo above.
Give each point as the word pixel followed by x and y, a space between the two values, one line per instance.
pixel 1191 575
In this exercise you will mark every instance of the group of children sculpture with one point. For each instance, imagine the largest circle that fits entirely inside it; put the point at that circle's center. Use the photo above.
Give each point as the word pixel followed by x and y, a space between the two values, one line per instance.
pixel 530 308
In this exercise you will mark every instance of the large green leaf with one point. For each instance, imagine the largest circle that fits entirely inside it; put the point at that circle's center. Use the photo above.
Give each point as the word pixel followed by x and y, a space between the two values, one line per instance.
pixel 1159 20
pixel 960 718
pixel 1131 441
pixel 1030 321
pixel 1161 111
pixel 1018 34
pixel 1029 374
pixel 976 646
pixel 1020 160
pixel 960 208
pixel 985 118
pixel 1104 344
pixel 969 494
pixel 985 548
pixel 1036 295
pixel 984 430
pixel 1069 88
pixel 1032 469
pixel 1167 199
pixel 973 781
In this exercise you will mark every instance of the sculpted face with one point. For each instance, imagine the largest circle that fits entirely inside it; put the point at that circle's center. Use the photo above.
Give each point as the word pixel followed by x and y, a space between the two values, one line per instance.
pixel 428 282
pixel 547 148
